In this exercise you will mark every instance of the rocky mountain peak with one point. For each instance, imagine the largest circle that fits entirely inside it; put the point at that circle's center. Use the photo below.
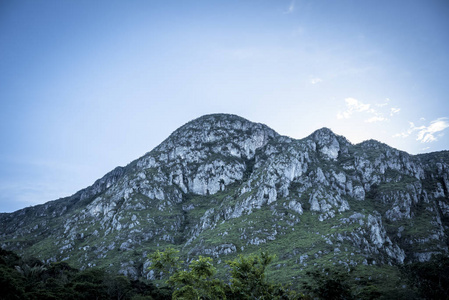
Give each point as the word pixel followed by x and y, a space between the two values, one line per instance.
pixel 221 133
pixel 327 143
pixel 374 145
pixel 323 132
pixel 221 185
pixel 219 121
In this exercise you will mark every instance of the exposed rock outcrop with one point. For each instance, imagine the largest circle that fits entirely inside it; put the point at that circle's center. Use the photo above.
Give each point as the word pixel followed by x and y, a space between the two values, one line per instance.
pixel 221 185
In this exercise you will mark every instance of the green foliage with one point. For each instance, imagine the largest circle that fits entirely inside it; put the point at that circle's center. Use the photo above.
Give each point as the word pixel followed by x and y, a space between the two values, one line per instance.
pixel 248 278
pixel 431 279
pixel 32 279
pixel 8 258
pixel 228 223
pixel 90 284
pixel 165 262
pixel 194 283
pixel 329 284
pixel 11 283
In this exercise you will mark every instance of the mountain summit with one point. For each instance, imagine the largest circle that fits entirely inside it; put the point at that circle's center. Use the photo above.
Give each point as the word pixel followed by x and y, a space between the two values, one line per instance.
pixel 221 186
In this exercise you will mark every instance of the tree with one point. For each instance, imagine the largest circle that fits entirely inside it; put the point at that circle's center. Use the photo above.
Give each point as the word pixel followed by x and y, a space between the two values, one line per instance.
pixel 12 283
pixel 165 263
pixel 118 286
pixel 248 279
pixel 147 290
pixel 430 278
pixel 89 284
pixel 329 284
pixel 32 279
pixel 196 282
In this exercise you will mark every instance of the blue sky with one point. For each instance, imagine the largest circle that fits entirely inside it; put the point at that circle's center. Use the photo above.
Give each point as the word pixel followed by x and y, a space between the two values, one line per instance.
pixel 86 86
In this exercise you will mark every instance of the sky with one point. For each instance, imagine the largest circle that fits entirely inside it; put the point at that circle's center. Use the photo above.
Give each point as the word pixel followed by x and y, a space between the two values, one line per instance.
pixel 86 86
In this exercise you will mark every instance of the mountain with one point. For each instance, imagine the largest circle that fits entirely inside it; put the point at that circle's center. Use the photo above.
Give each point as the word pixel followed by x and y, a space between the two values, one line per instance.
pixel 222 186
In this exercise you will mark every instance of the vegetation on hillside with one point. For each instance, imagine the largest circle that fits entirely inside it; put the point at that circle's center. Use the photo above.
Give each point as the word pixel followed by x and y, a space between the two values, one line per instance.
pixel 31 279
pixel 247 278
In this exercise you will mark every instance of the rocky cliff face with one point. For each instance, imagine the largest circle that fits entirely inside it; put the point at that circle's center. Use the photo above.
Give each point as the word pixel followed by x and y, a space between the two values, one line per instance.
pixel 221 185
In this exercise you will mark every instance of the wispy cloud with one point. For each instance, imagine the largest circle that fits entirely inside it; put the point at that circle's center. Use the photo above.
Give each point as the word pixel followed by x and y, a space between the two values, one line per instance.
pixel 352 106
pixel 291 8
pixel 426 134
pixel 315 80
pixel 377 112
pixel 394 110
pixel 375 119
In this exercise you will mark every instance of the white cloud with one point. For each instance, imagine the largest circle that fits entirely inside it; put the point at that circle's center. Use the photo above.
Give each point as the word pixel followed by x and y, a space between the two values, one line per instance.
pixel 374 113
pixel 384 103
pixel 356 105
pixel 405 133
pixel 375 119
pixel 315 80
pixel 394 110
pixel 352 106
pixel 426 134
pixel 400 135
pixel 343 115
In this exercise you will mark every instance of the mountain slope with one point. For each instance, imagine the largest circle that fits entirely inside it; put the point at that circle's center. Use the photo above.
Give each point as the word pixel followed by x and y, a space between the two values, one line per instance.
pixel 221 185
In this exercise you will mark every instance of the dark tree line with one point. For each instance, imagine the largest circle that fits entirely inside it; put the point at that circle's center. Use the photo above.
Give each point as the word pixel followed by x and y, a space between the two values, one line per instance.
pixel 31 279
pixel 197 281
pixel 430 279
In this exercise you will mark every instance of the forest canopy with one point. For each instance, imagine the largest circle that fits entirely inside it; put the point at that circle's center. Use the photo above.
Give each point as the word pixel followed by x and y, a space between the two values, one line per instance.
pixel 246 278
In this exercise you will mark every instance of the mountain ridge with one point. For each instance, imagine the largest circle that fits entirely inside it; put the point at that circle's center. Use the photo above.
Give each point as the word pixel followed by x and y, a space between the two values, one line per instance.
pixel 122 168
pixel 221 185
